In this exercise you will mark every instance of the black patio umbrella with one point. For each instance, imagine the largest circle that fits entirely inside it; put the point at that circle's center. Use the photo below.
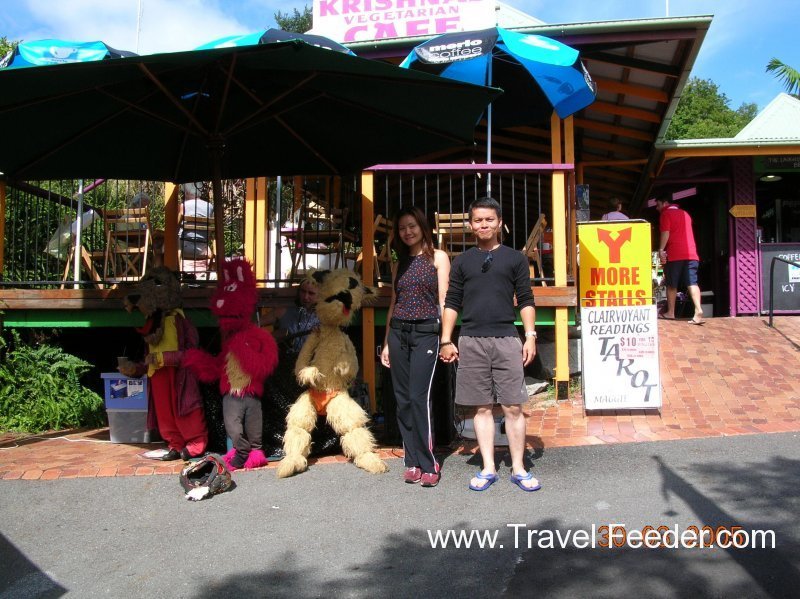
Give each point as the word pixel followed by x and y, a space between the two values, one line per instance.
pixel 269 109
pixel 274 35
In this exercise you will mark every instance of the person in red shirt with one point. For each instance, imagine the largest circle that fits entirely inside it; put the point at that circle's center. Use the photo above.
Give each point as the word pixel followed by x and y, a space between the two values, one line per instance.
pixel 678 253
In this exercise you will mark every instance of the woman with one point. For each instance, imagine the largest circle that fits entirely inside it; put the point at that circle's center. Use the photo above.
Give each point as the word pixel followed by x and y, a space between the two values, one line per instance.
pixel 420 278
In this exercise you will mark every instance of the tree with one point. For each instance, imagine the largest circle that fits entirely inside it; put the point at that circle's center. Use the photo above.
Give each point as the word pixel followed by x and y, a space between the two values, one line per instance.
pixel 299 22
pixel 790 77
pixel 704 113
pixel 6 46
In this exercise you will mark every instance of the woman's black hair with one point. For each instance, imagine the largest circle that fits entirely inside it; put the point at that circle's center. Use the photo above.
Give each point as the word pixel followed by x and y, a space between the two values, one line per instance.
pixel 425 227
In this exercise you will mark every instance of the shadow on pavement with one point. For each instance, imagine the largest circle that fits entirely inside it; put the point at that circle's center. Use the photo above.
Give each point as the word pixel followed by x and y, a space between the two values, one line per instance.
pixel 764 495
pixel 19 577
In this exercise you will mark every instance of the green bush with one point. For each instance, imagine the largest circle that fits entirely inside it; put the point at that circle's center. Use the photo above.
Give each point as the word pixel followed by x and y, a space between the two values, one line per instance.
pixel 40 389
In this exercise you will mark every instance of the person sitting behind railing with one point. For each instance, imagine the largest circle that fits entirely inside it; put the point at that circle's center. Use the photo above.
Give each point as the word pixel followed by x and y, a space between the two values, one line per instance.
pixel 292 326
pixel 616 212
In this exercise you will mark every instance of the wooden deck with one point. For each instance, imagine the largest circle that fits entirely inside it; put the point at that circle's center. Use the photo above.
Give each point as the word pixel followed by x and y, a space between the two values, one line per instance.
pixel 198 298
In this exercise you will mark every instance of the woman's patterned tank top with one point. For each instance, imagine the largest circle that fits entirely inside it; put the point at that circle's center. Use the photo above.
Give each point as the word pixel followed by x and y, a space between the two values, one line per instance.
pixel 417 291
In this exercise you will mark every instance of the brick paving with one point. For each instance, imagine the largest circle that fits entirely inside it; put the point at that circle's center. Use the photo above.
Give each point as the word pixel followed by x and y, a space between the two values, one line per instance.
pixel 732 376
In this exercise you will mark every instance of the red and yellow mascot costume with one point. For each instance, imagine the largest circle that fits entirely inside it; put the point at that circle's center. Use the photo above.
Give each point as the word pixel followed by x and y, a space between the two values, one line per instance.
pixel 175 403
pixel 249 355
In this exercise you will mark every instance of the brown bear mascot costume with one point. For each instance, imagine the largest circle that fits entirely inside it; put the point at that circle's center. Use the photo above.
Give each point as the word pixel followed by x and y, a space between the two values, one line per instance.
pixel 249 355
pixel 327 364
pixel 175 402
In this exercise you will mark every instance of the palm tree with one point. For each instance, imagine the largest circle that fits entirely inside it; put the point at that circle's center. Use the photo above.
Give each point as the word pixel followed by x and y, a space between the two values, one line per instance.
pixel 789 76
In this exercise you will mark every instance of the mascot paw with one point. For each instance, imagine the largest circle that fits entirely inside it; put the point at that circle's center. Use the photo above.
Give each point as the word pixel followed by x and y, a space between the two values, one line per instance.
pixel 291 465
pixel 371 463
pixel 309 376
pixel 256 459
pixel 227 459
pixel 342 369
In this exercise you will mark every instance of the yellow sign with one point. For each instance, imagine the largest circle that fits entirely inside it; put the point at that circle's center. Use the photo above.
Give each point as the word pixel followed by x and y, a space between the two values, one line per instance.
pixel 743 211
pixel 615 264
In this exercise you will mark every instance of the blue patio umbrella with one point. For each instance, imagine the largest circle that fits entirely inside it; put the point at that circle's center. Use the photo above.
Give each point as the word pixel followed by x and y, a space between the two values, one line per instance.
pixel 52 51
pixel 537 74
pixel 274 35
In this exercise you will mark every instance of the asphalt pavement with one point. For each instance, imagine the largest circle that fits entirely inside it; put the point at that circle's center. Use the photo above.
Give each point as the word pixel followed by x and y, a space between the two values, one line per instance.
pixel 336 531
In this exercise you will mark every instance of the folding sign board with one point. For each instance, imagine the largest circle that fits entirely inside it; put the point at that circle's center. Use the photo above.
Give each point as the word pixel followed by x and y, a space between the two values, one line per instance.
pixel 619 322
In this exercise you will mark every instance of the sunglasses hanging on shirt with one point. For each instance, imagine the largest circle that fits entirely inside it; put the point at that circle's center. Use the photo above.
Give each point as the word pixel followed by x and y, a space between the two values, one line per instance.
pixel 487 262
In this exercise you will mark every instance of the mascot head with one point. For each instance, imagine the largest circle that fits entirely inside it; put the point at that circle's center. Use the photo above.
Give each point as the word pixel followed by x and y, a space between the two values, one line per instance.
pixel 234 301
pixel 341 294
pixel 156 294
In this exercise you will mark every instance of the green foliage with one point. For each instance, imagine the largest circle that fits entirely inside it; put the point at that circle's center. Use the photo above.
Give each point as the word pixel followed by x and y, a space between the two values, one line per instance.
pixel 704 113
pixel 40 389
pixel 790 77
pixel 6 46
pixel 299 22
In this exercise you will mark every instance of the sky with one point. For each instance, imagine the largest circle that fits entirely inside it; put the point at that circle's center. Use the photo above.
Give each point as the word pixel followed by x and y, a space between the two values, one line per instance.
pixel 744 35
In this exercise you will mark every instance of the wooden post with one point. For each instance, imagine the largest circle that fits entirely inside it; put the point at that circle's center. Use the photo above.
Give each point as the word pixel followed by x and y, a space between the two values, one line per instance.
pixel 572 223
pixel 250 221
pixel 368 313
pixel 261 222
pixel 255 241
pixel 171 209
pixel 560 261
pixel 298 195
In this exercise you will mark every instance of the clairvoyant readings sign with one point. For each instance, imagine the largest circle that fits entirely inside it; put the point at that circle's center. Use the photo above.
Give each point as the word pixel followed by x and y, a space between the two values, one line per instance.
pixel 620 358
pixel 367 20
pixel 619 321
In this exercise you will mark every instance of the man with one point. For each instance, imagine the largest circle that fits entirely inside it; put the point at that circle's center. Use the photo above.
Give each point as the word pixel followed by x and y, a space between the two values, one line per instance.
pixel 616 212
pixel 678 253
pixel 483 283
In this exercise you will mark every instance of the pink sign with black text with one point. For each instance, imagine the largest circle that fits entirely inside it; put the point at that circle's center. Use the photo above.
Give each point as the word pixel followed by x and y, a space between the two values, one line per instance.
pixel 366 20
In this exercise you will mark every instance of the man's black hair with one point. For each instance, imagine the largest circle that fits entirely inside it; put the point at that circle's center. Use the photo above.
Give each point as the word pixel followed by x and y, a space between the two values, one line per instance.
pixel 486 202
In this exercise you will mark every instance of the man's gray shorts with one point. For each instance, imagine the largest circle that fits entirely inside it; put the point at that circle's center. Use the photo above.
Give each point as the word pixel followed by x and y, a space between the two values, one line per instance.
pixel 486 360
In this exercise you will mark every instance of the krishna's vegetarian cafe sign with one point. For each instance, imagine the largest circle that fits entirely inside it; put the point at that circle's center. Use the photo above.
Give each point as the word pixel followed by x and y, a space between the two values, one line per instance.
pixel 366 20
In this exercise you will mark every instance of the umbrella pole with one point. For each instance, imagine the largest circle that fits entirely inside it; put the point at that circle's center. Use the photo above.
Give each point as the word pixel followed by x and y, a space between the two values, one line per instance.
pixel 278 225
pixel 219 209
pixel 489 129
pixel 76 255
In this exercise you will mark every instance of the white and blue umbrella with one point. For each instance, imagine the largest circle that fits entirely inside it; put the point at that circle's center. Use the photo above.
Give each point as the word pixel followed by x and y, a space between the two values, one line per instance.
pixel 537 74
pixel 274 35
pixel 52 51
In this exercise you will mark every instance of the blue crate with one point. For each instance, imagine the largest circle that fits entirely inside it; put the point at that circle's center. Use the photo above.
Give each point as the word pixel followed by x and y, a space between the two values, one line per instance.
pixel 124 393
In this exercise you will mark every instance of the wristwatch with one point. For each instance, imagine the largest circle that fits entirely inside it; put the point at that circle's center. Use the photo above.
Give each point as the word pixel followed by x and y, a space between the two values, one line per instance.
pixel 531 334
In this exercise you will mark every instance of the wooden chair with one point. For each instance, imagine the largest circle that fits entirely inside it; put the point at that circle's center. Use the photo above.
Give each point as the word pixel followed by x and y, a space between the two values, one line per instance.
pixel 531 249
pixel 128 244
pixel 195 230
pixel 381 260
pixel 453 232
pixel 323 234
pixel 87 264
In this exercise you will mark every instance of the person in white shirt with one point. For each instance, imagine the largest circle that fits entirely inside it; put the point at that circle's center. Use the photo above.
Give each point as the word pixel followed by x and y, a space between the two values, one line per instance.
pixel 616 211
